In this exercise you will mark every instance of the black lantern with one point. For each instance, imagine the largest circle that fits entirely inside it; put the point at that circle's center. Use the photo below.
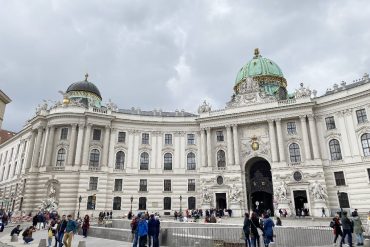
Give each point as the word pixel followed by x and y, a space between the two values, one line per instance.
pixel 79 206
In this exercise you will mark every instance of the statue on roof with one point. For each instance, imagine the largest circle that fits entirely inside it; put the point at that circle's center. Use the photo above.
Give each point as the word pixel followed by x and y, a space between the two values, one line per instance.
pixel 205 107
pixel 302 92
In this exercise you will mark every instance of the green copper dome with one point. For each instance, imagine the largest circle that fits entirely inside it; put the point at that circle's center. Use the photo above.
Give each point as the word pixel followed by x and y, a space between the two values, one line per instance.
pixel 266 72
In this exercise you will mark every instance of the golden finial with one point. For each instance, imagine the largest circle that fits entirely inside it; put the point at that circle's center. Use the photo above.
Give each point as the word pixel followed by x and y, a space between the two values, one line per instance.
pixel 86 75
pixel 256 52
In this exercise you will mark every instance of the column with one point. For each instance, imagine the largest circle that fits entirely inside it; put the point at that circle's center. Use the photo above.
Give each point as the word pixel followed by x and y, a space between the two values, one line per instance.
pixel 79 146
pixel 273 145
pixel 351 132
pixel 136 158
pixel 177 147
pixel 105 146
pixel 203 147
pixel 50 146
pixel 209 147
pixel 159 150
pixel 182 149
pixel 236 144
pixel 111 152
pixel 306 142
pixel 320 124
pixel 45 147
pixel 86 145
pixel 30 149
pixel 130 148
pixel 72 145
pixel 153 156
pixel 280 140
pixel 313 132
pixel 37 147
pixel 345 147
pixel 230 154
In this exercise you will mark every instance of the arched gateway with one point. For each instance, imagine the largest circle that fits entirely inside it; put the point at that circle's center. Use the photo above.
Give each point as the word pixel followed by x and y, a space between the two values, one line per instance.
pixel 259 189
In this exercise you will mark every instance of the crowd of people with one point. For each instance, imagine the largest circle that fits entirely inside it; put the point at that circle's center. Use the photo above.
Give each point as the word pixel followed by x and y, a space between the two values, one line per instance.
pixel 145 229
pixel 5 217
pixel 254 227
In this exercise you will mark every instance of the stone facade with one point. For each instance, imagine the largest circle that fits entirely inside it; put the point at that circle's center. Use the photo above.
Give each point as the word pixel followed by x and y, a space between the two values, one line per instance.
pixel 314 150
pixel 4 100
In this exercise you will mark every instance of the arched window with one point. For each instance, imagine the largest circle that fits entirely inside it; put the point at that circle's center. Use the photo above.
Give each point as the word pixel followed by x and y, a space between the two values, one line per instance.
pixel 144 161
pixel 365 141
pixel 94 158
pixel 120 160
pixel 295 153
pixel 61 157
pixel 142 203
pixel 221 159
pixel 91 202
pixel 191 203
pixel 117 203
pixel 191 161
pixel 167 203
pixel 167 161
pixel 335 152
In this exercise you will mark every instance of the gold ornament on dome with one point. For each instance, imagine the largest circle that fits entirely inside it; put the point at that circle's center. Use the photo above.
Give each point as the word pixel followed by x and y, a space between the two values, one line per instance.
pixel 255 145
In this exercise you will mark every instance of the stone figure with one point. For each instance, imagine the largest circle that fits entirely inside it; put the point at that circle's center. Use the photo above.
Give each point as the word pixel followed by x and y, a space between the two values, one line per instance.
pixel 207 197
pixel 52 192
pixel 318 191
pixel 234 194
pixel 281 192
pixel 205 107
pixel 302 92
pixel 112 106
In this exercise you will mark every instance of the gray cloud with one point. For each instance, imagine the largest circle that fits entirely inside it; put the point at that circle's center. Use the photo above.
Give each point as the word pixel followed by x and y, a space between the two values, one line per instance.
pixel 173 54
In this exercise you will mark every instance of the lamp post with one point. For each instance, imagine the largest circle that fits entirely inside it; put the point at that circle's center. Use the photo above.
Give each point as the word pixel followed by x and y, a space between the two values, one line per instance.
pixel 131 199
pixel 180 206
pixel 339 194
pixel 79 206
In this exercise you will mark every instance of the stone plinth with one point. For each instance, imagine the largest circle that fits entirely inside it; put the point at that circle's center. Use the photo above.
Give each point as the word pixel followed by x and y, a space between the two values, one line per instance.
pixel 236 209
pixel 206 206
pixel 283 204
pixel 317 206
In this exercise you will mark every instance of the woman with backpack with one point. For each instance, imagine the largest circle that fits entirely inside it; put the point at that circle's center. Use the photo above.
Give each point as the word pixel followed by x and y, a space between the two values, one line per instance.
pixel 337 229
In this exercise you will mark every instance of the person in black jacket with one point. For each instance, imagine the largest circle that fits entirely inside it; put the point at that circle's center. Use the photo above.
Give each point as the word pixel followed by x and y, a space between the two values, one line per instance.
pixel 247 229
pixel 153 230
pixel 255 224
pixel 16 230
pixel 347 226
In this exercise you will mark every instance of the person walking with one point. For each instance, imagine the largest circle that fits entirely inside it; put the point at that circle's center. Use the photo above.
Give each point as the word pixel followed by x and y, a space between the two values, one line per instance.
pixel 358 229
pixel 337 229
pixel 268 231
pixel 323 213
pixel 69 232
pixel 153 231
pixel 34 221
pixel 60 229
pixel 135 236
pixel 247 230
pixel 40 220
pixel 85 225
pixel 142 231
pixel 347 226
pixel 255 224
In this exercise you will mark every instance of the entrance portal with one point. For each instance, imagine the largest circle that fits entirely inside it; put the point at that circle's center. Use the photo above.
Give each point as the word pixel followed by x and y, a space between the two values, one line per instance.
pixel 300 199
pixel 259 185
pixel 221 201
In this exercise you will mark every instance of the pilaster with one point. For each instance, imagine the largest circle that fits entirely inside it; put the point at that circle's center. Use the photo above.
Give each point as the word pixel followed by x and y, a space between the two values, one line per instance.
pixel 280 140
pixel 306 142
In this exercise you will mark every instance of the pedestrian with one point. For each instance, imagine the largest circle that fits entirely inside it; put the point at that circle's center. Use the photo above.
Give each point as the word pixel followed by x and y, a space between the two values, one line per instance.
pixel 135 236
pixel 61 228
pixel 85 225
pixel 16 230
pixel 27 234
pixel 34 221
pixel 51 232
pixel 268 231
pixel 323 213
pixel 337 230
pixel 153 230
pixel 142 231
pixel 358 229
pixel 129 215
pixel 69 232
pixel 56 235
pixel 247 230
pixel 40 220
pixel 255 224
pixel 278 221
pixel 347 226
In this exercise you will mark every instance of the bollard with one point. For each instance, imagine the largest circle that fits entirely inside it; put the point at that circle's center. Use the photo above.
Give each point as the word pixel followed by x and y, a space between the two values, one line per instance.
pixel 42 243
pixel 367 243
pixel 14 238
pixel 82 244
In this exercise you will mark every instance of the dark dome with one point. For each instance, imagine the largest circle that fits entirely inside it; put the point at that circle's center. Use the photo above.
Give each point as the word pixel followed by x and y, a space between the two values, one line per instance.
pixel 84 86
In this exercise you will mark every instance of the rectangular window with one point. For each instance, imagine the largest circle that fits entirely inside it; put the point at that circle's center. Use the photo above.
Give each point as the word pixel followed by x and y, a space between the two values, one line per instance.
pixel 167 203
pixel 191 139
pixel 143 185
pixel 93 185
pixel 361 116
pixel 291 128
pixel 191 184
pixel 220 136
pixel 122 137
pixel 330 123
pixel 96 134
pixel 118 185
pixel 167 139
pixel 11 154
pixel 167 185
pixel 339 179
pixel 368 173
pixel 64 133
pixel 145 138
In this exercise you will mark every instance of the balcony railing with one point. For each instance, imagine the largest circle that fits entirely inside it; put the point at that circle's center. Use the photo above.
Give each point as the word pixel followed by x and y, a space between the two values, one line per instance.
pixel 94 168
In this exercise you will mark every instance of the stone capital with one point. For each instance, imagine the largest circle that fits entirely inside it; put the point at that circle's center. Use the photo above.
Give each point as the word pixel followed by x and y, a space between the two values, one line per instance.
pixel 310 117
pixel 228 126
pixel 302 117
pixel 270 121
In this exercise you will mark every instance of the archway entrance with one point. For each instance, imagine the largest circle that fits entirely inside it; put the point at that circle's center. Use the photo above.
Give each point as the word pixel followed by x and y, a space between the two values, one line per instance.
pixel 259 185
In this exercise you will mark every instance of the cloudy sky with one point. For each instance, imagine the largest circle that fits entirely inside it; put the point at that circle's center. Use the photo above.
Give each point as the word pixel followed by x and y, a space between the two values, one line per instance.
pixel 173 54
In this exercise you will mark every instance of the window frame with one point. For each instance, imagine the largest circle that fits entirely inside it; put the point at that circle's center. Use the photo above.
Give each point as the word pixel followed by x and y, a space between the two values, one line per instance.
pixel 291 128
pixel 93 183
pixel 191 163
pixel 191 184
pixel 96 133
pixel 121 137
pixel 340 179
pixel 294 153
pixel 167 185
pixel 167 162
pixel 366 147
pixel 167 203
pixel 220 136
pixel 64 133
pixel 144 161
pixel 117 203
pixel 221 161
pixel 120 163
pixel 61 157
pixel 94 160
pixel 361 116
pixel 192 200
pixel 330 123
pixel 143 185
pixel 190 139
pixel 142 202
pixel 335 150
pixel 167 139
pixel 118 186
pixel 145 138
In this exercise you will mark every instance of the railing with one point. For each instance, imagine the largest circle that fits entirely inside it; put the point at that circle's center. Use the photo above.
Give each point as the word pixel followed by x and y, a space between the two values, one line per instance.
pixel 94 168
pixel 232 236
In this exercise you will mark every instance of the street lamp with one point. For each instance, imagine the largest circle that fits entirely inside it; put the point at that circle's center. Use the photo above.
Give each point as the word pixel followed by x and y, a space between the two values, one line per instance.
pixel 180 205
pixel 339 194
pixel 79 206
pixel 131 199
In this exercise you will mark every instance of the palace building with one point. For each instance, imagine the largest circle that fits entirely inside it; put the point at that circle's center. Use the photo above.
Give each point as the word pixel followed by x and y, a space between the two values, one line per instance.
pixel 266 149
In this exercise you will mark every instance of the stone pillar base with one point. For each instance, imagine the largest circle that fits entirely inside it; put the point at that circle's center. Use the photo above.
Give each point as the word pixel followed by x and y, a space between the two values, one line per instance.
pixel 317 208
pixel 283 204
pixel 236 209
